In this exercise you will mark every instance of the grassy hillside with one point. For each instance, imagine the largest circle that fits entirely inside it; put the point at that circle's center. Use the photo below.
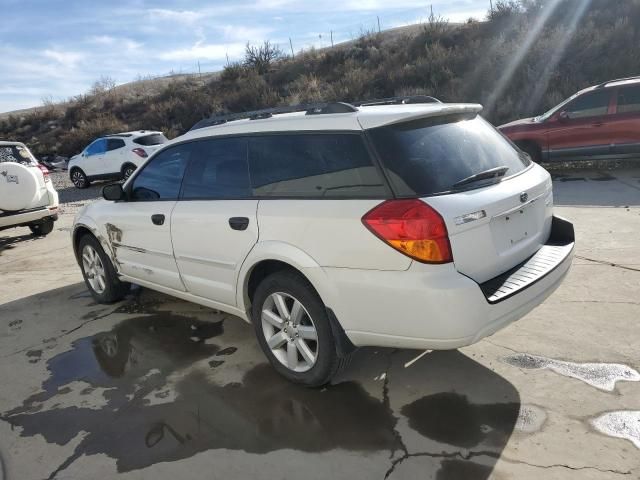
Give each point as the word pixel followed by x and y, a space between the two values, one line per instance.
pixel 526 58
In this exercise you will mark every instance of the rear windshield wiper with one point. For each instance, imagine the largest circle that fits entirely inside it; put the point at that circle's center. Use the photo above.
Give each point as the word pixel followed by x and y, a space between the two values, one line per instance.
pixel 487 174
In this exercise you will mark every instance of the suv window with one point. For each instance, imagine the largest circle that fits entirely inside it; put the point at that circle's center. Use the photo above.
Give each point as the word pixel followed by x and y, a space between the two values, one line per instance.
pixel 590 105
pixel 114 144
pixel 16 154
pixel 313 165
pixel 160 178
pixel 429 156
pixel 97 147
pixel 629 100
pixel 153 139
pixel 217 169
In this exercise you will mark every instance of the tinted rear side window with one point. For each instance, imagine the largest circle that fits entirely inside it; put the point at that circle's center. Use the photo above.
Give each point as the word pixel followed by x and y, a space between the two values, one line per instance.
pixel 114 144
pixel 153 139
pixel 218 169
pixel 430 156
pixel 629 100
pixel 313 165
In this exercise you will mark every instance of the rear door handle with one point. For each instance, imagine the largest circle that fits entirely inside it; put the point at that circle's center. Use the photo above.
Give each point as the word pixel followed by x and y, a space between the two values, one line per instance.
pixel 239 223
pixel 157 219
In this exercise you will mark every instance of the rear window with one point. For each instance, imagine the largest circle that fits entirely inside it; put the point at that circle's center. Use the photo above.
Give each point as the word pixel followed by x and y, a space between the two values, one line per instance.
pixel 313 165
pixel 153 139
pixel 430 156
pixel 16 154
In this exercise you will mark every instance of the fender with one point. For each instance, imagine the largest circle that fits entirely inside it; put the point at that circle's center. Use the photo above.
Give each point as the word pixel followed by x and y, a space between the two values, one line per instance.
pixel 286 253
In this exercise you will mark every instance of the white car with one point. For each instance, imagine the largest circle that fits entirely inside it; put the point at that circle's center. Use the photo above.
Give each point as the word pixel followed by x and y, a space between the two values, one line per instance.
pixel 411 226
pixel 27 196
pixel 113 156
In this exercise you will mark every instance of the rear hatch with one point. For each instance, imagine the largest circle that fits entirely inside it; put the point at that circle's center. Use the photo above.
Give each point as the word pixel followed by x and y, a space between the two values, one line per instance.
pixel 18 153
pixel 151 142
pixel 496 203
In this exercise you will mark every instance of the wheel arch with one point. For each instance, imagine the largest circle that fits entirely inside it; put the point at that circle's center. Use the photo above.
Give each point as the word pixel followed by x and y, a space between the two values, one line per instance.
pixel 85 228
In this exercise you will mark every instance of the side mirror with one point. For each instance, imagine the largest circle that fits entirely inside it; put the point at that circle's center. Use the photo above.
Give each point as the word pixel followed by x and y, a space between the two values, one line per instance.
pixel 113 192
pixel 563 116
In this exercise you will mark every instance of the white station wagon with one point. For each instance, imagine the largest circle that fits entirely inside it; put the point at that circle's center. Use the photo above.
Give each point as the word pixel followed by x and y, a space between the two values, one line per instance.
pixel 396 224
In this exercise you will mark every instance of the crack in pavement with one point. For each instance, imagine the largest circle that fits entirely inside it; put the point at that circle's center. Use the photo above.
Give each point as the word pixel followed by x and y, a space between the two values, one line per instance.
pixel 569 467
pixel 610 264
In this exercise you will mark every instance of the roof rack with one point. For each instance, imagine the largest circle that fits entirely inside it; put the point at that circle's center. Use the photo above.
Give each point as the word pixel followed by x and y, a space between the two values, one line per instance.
pixel 604 84
pixel 124 135
pixel 406 100
pixel 311 109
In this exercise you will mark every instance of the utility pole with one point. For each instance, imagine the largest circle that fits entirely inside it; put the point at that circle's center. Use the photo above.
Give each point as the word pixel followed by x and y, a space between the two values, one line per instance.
pixel 227 55
pixel 378 23
pixel 491 5
pixel 331 38
pixel 199 72
pixel 291 45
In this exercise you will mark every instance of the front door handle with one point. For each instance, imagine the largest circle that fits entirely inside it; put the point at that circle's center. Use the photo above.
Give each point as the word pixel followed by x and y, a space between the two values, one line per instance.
pixel 239 223
pixel 157 219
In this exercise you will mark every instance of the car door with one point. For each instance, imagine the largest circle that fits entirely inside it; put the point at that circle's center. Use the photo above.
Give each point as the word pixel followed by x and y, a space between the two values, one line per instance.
pixel 93 158
pixel 139 229
pixel 581 129
pixel 625 122
pixel 114 156
pixel 214 224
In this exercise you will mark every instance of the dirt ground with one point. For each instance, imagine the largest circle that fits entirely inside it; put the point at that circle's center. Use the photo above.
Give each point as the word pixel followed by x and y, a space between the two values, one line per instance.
pixel 153 387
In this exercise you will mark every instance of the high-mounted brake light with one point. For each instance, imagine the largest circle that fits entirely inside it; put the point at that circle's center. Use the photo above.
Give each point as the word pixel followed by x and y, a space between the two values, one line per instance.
pixel 45 172
pixel 140 152
pixel 413 228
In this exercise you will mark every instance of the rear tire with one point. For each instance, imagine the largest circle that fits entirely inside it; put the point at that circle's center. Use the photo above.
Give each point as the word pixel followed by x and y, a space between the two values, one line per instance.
pixel 43 228
pixel 79 179
pixel 98 272
pixel 292 327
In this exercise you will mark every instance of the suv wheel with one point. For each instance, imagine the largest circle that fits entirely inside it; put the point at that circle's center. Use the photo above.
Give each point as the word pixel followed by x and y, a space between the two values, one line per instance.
pixel 79 179
pixel 127 171
pixel 293 329
pixel 98 272
pixel 42 228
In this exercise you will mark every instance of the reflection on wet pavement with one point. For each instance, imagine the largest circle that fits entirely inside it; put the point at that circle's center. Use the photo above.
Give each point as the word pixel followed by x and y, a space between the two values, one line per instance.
pixel 621 424
pixel 600 375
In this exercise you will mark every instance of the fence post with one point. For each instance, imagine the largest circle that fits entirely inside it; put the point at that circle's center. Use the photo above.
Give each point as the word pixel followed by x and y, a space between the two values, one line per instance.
pixel 291 45
pixel 331 38
pixel 378 23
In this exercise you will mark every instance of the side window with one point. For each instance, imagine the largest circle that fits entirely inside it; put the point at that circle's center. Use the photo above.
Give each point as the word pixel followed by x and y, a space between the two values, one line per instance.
pixel 590 105
pixel 114 144
pixel 629 100
pixel 313 165
pixel 97 147
pixel 218 169
pixel 160 178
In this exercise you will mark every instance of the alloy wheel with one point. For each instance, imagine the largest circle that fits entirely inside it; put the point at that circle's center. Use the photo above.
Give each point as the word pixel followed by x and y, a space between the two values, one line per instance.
pixel 290 332
pixel 94 269
pixel 78 179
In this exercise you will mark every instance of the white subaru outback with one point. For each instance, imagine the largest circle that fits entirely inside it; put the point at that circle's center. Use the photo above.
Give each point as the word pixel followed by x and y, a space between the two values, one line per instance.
pixel 27 195
pixel 412 225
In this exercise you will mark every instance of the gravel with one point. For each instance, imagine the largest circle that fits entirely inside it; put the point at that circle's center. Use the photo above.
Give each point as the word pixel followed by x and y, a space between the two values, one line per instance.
pixel 72 198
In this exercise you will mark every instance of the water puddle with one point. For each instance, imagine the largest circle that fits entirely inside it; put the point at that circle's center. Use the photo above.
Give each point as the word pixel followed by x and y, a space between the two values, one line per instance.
pixel 621 424
pixel 603 376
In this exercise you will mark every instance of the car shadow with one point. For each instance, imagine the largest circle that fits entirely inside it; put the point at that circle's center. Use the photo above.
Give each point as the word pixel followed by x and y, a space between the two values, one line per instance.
pixel 73 194
pixel 172 384
pixel 8 242
pixel 597 188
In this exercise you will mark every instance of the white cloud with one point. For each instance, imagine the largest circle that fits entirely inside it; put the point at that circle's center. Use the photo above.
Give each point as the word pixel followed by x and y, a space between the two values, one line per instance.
pixel 245 34
pixel 66 59
pixel 182 16
pixel 201 51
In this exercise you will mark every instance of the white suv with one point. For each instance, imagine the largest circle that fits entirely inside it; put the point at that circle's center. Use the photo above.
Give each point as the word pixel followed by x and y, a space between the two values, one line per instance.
pixel 412 226
pixel 113 156
pixel 27 196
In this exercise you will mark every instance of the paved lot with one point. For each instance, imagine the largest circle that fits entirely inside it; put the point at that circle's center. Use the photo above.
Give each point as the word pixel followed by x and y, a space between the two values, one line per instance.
pixel 157 388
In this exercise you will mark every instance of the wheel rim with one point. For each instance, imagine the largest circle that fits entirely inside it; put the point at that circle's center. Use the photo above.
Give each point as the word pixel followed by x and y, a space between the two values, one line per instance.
pixel 128 172
pixel 290 332
pixel 93 269
pixel 78 179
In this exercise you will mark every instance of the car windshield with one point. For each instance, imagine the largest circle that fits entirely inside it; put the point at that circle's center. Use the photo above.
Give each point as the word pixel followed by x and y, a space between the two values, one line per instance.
pixel 450 153
pixel 16 154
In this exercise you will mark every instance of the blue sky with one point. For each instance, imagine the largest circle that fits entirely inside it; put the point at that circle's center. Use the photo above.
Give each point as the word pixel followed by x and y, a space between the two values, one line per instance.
pixel 57 49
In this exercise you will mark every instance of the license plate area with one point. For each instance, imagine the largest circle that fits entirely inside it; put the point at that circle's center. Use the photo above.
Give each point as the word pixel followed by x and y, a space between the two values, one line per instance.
pixel 515 227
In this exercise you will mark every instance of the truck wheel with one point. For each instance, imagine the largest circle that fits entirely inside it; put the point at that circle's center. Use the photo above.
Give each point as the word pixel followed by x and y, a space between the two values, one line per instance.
pixel 293 329
pixel 42 228
pixel 98 272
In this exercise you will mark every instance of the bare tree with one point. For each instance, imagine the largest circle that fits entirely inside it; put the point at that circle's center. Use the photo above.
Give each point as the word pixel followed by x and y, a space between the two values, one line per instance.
pixel 261 57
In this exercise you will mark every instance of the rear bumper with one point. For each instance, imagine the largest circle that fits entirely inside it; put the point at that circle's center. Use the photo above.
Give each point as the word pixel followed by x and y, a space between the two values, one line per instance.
pixel 25 217
pixel 436 307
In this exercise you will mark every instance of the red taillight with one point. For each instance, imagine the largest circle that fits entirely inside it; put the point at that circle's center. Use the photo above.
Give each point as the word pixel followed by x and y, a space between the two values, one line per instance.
pixel 45 172
pixel 413 228
pixel 140 152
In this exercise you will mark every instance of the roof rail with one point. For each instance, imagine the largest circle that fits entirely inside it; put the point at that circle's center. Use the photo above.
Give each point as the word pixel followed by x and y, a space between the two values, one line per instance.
pixel 311 109
pixel 124 135
pixel 409 99
pixel 604 84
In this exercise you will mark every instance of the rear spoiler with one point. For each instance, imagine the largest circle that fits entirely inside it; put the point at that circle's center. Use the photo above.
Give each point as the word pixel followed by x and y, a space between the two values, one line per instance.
pixel 386 116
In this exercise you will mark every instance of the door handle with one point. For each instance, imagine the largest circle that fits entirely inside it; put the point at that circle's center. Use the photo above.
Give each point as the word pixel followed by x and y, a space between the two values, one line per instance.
pixel 157 219
pixel 598 124
pixel 239 223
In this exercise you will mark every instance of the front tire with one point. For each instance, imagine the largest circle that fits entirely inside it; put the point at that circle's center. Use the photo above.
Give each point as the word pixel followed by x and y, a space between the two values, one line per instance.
pixel 79 179
pixel 43 228
pixel 293 329
pixel 98 272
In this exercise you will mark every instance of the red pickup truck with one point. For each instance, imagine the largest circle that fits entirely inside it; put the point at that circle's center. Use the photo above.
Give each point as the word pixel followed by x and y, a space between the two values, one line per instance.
pixel 598 122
